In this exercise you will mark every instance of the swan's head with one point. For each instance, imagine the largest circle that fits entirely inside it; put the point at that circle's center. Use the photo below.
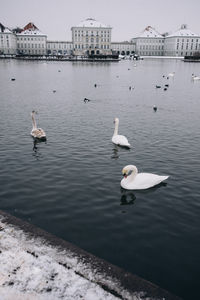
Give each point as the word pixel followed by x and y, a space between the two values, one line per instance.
pixel 116 121
pixel 33 112
pixel 129 169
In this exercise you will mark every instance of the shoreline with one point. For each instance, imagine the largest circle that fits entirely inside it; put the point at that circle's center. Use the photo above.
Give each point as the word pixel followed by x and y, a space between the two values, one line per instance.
pixel 26 248
pixel 53 58
pixel 86 59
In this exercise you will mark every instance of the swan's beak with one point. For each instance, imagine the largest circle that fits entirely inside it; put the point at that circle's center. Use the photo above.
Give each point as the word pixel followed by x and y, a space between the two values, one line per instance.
pixel 124 173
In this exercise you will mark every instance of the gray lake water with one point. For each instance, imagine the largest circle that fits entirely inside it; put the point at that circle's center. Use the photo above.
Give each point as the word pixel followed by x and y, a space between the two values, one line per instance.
pixel 70 185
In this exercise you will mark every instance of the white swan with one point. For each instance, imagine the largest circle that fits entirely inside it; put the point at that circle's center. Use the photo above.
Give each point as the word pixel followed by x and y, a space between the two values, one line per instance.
pixel 117 139
pixel 140 181
pixel 37 133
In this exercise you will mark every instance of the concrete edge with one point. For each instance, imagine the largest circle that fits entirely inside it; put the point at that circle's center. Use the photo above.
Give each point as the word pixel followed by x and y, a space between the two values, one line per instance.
pixel 127 281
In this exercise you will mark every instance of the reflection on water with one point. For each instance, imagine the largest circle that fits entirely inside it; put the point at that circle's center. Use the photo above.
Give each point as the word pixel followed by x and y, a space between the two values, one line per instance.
pixel 127 197
pixel 115 151
pixel 36 150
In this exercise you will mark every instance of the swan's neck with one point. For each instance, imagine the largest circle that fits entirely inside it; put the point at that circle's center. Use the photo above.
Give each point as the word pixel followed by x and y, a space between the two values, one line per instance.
pixel 133 174
pixel 116 128
pixel 34 122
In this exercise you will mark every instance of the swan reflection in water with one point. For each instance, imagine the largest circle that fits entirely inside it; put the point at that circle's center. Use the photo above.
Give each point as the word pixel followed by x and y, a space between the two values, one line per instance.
pixel 36 152
pixel 127 198
pixel 115 151
pixel 115 154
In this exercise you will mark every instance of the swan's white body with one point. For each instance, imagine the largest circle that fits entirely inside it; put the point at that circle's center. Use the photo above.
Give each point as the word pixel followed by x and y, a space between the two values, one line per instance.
pixel 117 139
pixel 37 133
pixel 141 181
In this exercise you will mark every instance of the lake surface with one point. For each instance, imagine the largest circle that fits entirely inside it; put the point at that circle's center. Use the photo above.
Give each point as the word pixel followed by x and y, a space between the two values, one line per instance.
pixel 70 185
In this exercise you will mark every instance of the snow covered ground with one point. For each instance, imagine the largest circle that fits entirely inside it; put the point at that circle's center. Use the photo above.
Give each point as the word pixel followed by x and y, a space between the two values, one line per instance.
pixel 32 268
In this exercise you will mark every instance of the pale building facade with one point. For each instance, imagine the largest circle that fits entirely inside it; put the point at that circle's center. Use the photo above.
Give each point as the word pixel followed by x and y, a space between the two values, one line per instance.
pixel 149 42
pixel 123 48
pixel 183 42
pixel 91 37
pixel 59 48
pixel 30 41
pixel 8 41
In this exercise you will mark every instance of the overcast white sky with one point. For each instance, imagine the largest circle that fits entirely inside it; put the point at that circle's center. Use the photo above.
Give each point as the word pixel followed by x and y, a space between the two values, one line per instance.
pixel 127 17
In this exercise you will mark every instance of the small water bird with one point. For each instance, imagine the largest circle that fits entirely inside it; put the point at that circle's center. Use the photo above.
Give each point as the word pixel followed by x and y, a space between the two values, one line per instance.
pixel 12 79
pixel 131 88
pixel 158 86
pixel 171 74
pixel 54 91
pixel 139 181
pixel 194 77
pixel 86 100
pixel 117 139
pixel 37 133
pixel 95 85
pixel 155 108
pixel 167 85
pixel 165 89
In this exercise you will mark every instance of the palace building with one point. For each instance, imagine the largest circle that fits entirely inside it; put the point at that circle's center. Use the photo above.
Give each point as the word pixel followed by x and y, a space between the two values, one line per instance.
pixel 8 44
pixel 182 42
pixel 149 42
pixel 91 37
pixel 30 41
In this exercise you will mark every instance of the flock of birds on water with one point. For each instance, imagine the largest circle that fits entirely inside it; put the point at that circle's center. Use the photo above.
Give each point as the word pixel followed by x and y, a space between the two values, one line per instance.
pixel 132 180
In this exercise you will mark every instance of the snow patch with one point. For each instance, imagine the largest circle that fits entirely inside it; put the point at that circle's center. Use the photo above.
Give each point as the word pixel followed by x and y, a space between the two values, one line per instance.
pixel 32 269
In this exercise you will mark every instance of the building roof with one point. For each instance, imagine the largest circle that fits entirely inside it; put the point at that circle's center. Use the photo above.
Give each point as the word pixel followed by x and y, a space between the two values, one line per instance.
pixel 31 29
pixel 183 31
pixel 4 29
pixel 149 32
pixel 90 22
